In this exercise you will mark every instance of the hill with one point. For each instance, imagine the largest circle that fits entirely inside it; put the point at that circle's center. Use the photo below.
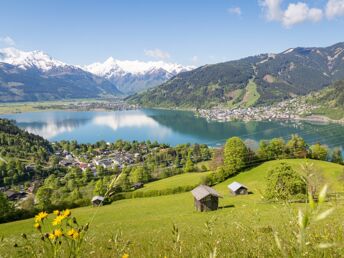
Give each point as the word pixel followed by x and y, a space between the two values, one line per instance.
pixel 330 100
pixel 19 144
pixel 296 71
pixel 245 224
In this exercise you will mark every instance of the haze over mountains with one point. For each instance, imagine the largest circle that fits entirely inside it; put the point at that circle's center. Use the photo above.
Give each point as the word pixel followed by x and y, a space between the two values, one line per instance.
pixel 34 76
pixel 260 79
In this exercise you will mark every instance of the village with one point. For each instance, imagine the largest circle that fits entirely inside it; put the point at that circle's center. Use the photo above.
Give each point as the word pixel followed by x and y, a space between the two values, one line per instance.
pixel 294 109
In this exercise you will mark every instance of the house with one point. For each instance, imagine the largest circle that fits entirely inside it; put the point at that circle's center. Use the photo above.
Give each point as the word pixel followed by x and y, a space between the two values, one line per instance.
pixel 236 188
pixel 14 196
pixel 97 200
pixel 138 185
pixel 205 198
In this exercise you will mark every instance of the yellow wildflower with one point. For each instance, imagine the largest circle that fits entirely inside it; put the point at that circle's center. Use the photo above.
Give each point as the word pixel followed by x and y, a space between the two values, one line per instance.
pixel 37 226
pixel 56 212
pixel 41 216
pixel 73 233
pixel 58 220
pixel 52 236
pixel 58 232
pixel 125 256
pixel 66 213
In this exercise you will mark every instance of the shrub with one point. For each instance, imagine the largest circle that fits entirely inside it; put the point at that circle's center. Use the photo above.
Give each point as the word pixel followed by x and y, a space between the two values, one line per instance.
pixel 284 183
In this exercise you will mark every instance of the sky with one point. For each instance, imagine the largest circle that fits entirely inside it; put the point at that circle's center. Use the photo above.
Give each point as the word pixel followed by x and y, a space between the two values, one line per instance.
pixel 189 32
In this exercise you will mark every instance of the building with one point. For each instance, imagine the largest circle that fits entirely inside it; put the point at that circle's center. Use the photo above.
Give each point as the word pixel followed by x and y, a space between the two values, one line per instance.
pixel 236 188
pixel 138 185
pixel 205 198
pixel 97 200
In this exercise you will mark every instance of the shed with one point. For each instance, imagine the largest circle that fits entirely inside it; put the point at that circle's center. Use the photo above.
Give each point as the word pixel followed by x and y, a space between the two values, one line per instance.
pixel 97 200
pixel 206 198
pixel 236 188
pixel 138 185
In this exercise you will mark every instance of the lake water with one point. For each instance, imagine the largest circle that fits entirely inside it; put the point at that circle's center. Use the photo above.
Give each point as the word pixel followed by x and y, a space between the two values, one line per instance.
pixel 166 126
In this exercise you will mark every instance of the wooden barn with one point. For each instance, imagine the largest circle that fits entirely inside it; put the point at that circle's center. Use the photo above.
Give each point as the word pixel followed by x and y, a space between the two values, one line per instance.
pixel 97 200
pixel 236 188
pixel 206 198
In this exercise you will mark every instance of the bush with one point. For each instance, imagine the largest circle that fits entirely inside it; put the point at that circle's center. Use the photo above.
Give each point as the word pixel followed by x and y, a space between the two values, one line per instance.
pixel 284 183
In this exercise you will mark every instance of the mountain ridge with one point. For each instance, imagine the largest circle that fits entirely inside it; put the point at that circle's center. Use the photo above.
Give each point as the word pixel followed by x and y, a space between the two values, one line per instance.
pixel 295 71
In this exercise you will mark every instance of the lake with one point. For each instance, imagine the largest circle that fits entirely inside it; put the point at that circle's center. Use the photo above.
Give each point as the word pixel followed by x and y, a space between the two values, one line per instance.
pixel 166 126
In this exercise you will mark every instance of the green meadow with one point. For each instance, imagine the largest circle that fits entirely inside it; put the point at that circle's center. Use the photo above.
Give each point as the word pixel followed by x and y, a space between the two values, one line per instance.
pixel 168 226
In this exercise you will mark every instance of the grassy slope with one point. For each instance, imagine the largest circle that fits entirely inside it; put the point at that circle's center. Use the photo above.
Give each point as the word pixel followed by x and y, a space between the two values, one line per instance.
pixel 189 179
pixel 252 95
pixel 149 220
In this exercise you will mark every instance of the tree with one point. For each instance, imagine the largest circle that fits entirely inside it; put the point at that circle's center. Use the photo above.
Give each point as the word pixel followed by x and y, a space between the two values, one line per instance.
pixel 283 183
pixel 235 155
pixel 5 206
pixel 313 178
pixel 139 174
pixel 297 147
pixel 189 165
pixel 318 151
pixel 43 197
pixel 274 149
pixel 337 156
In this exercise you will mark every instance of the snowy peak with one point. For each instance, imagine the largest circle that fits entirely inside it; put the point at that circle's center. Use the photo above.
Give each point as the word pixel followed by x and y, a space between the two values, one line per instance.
pixel 113 67
pixel 30 59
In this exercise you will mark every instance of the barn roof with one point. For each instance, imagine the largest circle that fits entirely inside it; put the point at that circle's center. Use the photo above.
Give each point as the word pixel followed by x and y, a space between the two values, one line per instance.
pixel 203 191
pixel 96 198
pixel 235 186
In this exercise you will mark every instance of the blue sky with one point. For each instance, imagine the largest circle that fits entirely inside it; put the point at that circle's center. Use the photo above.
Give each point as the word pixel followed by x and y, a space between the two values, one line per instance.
pixel 183 31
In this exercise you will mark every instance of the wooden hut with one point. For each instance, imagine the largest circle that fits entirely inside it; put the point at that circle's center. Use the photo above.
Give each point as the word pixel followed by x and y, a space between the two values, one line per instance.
pixel 206 198
pixel 236 188
pixel 97 200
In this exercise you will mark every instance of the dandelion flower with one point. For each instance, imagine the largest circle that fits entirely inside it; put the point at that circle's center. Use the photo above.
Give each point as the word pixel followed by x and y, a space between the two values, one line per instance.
pixel 52 236
pixel 125 256
pixel 66 213
pixel 58 220
pixel 56 212
pixel 41 216
pixel 37 226
pixel 73 233
pixel 58 232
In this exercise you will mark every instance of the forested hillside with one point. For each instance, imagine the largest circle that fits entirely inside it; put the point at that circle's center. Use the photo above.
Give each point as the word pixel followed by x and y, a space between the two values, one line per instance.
pixel 296 71
pixel 19 144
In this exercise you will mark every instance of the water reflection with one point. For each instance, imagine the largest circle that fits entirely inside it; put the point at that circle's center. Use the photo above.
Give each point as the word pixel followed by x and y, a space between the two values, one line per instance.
pixel 172 127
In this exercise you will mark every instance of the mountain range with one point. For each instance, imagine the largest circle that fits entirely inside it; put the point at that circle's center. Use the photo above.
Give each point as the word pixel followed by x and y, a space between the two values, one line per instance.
pixel 35 76
pixel 250 81
pixel 135 76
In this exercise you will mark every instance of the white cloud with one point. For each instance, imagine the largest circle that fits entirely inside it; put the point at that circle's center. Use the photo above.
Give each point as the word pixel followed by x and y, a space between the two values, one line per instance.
pixel 294 14
pixel 235 10
pixel 334 8
pixel 300 12
pixel 7 40
pixel 272 9
pixel 157 53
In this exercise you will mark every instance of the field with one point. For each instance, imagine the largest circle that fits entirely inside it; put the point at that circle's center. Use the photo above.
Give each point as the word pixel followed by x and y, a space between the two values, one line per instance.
pixel 251 95
pixel 244 226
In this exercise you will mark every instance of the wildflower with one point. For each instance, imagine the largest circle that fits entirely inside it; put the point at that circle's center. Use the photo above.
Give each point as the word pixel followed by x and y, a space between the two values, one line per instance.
pixel 66 213
pixel 125 256
pixel 56 212
pixel 58 232
pixel 73 233
pixel 52 236
pixel 37 226
pixel 58 220
pixel 41 216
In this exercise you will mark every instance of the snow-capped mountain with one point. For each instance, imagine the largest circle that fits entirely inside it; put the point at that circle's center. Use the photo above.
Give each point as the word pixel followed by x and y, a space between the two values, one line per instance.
pixel 29 60
pixel 135 76
pixel 34 75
